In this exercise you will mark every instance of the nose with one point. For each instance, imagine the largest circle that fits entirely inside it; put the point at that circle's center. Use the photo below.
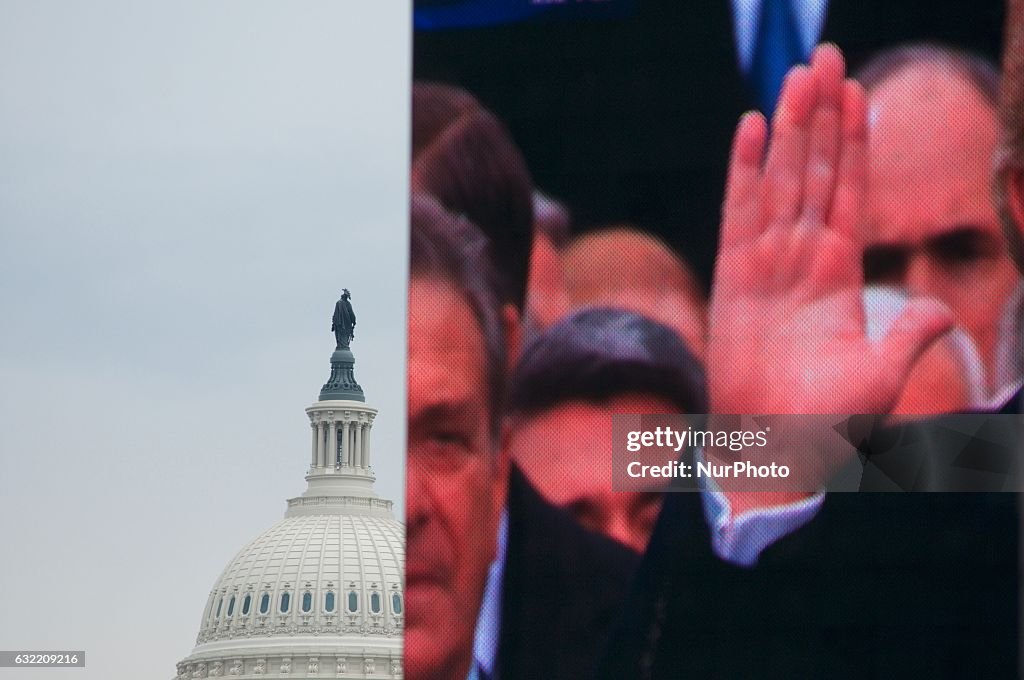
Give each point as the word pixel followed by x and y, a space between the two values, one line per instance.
pixel 925 277
pixel 417 496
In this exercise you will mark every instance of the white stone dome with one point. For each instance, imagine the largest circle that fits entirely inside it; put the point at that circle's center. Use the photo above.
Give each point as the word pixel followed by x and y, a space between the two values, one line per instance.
pixel 326 588
pixel 312 575
pixel 319 594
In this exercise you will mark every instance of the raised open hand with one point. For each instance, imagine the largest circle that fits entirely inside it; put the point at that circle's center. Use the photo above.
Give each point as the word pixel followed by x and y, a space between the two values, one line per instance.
pixel 786 320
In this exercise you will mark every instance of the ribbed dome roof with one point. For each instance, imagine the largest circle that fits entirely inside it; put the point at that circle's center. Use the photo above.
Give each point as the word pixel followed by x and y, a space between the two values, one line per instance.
pixel 299 577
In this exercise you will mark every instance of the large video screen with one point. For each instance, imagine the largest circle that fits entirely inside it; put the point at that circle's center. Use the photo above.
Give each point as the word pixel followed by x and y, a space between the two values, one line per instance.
pixel 683 274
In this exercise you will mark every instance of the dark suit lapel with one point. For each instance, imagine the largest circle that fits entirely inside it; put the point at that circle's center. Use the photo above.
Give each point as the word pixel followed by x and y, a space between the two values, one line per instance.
pixel 530 568
pixel 665 587
pixel 563 588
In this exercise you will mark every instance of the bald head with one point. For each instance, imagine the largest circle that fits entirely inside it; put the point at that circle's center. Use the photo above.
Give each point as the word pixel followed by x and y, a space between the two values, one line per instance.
pixel 930 225
pixel 929 109
pixel 628 268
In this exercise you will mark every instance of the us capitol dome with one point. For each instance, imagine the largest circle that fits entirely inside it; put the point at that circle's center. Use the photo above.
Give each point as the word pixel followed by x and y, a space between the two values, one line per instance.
pixel 320 594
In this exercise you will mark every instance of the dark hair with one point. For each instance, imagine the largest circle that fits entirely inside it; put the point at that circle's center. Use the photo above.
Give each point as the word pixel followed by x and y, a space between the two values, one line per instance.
pixel 599 353
pixel 978 71
pixel 465 157
pixel 450 249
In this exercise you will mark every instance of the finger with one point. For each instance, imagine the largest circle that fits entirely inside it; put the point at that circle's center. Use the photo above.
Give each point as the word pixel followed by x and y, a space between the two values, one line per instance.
pixel 922 322
pixel 787 152
pixel 834 264
pixel 824 139
pixel 741 212
pixel 851 179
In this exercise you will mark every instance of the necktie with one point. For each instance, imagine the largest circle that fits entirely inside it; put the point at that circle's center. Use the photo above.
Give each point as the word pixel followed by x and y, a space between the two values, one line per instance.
pixel 477 672
pixel 776 50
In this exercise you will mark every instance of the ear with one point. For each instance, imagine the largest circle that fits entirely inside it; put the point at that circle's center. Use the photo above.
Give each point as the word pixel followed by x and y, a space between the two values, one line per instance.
pixel 545 289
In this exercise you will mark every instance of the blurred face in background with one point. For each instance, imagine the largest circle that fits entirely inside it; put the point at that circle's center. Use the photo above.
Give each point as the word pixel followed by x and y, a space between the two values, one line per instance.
pixel 627 268
pixel 455 484
pixel 566 452
pixel 931 227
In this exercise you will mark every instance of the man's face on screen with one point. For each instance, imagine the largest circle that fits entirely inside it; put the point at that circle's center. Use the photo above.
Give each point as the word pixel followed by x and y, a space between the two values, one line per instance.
pixel 931 226
pixel 455 486
pixel 566 452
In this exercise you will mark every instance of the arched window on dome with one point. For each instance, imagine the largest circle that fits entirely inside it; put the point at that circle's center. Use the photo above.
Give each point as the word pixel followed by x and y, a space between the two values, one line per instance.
pixel 396 603
pixel 246 604
pixel 265 603
pixel 231 606
pixel 329 602
pixel 286 601
pixel 353 601
pixel 220 603
pixel 307 602
pixel 375 603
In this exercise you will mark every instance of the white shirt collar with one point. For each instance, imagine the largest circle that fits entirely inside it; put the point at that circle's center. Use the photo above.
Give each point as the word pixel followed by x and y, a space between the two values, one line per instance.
pixel 488 622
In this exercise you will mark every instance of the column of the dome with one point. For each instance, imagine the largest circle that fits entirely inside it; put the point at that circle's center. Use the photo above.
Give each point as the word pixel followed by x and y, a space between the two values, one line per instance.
pixel 366 446
pixel 360 430
pixel 347 425
pixel 320 443
pixel 333 462
pixel 358 459
pixel 346 450
pixel 312 426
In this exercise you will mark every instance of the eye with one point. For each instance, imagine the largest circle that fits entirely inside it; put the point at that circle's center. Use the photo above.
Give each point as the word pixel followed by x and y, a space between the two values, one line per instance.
pixel 442 450
pixel 962 247
pixel 449 438
pixel 885 264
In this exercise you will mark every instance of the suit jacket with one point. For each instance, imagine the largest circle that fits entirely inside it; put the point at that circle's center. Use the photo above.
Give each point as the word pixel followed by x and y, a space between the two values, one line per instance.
pixel 877 585
pixel 631 119
pixel 563 590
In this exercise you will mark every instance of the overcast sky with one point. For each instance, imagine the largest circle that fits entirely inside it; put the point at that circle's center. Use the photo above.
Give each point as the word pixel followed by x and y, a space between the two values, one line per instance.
pixel 184 190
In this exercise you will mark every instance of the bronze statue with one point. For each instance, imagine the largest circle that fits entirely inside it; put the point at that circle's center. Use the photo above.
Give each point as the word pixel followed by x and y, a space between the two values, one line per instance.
pixel 344 322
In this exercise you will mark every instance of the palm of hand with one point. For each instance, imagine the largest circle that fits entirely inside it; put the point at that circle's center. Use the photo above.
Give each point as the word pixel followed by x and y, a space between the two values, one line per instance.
pixel 786 317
